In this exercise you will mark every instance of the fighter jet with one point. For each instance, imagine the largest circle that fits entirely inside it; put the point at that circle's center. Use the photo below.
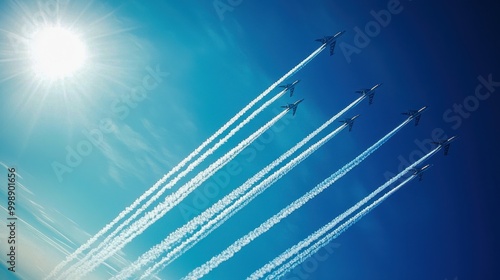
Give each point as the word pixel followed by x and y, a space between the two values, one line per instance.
pixel 420 171
pixel 350 121
pixel 415 114
pixel 292 106
pixel 445 144
pixel 290 87
pixel 370 92
pixel 330 40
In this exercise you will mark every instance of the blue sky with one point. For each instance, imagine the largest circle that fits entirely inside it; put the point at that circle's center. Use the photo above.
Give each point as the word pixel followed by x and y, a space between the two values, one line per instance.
pixel 211 65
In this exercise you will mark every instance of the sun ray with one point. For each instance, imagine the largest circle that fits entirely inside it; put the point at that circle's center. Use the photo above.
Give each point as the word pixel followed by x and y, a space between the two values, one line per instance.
pixel 82 12
pixel 112 64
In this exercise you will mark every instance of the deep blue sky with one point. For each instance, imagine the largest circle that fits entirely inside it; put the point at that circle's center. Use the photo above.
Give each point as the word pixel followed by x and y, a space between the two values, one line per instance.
pixel 430 53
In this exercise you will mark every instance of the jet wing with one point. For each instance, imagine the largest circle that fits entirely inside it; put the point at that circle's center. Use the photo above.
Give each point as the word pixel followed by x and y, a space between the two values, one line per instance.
pixel 332 47
pixel 420 176
pixel 294 110
pixel 417 120
pixel 446 149
pixel 291 91
pixel 370 98
pixel 350 125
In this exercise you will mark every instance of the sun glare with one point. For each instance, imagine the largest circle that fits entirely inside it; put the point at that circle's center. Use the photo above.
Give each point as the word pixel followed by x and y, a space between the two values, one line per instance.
pixel 57 53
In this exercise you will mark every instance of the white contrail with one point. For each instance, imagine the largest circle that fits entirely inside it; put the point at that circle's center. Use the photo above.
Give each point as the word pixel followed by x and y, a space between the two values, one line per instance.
pixel 174 181
pixel 222 204
pixel 264 227
pixel 193 154
pixel 291 72
pixel 241 202
pixel 325 240
pixel 161 209
pixel 272 265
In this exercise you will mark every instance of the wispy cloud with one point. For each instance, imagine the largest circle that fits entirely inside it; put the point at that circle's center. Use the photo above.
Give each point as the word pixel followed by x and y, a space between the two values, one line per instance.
pixel 131 152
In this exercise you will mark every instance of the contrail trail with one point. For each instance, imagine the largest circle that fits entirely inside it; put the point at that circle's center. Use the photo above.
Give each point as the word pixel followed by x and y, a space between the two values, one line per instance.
pixel 325 240
pixel 193 154
pixel 222 204
pixel 170 201
pixel 289 253
pixel 168 175
pixel 243 201
pixel 264 227
pixel 175 180
pixel 295 69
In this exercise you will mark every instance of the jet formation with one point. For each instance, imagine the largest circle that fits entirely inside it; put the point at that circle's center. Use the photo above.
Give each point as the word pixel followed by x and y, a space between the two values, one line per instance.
pixel 235 201
pixel 368 92
pixel 326 40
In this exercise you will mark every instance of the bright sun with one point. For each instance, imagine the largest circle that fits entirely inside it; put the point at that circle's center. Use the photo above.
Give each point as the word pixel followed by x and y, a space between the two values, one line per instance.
pixel 57 53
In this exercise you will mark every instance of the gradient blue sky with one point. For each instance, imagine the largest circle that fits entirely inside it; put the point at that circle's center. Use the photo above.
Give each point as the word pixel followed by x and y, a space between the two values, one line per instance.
pixel 431 53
